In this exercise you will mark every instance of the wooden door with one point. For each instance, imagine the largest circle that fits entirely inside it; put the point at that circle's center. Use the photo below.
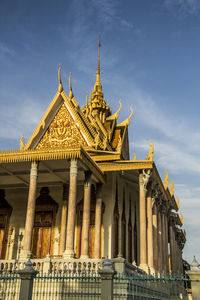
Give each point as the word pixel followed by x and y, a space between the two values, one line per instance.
pixel 41 241
pixel 3 219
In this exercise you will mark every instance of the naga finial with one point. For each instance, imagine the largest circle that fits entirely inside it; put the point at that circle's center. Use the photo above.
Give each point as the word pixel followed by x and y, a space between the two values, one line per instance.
pixel 70 87
pixel 172 188
pixel 166 180
pixel 126 122
pixel 134 156
pixel 178 202
pixel 151 150
pixel 22 143
pixel 115 115
pixel 60 88
pixel 181 218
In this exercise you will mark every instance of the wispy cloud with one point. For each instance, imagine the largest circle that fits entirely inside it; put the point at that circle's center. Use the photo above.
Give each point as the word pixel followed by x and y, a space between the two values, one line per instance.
pixel 182 7
pixel 6 53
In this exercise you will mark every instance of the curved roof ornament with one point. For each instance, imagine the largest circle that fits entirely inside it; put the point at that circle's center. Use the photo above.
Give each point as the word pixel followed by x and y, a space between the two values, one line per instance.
pixel 166 180
pixel 151 150
pixel 71 95
pixel 60 88
pixel 126 122
pixel 115 115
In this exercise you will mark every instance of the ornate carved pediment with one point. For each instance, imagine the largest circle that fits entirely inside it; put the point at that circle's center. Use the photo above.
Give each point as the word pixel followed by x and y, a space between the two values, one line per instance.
pixel 63 132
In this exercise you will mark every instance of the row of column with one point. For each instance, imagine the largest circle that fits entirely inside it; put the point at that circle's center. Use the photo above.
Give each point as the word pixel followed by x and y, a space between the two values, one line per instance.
pixel 155 226
pixel 153 229
pixel 68 216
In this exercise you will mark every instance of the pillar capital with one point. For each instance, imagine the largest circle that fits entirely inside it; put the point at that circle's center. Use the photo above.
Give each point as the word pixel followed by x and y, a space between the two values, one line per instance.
pixel 74 167
pixel 144 178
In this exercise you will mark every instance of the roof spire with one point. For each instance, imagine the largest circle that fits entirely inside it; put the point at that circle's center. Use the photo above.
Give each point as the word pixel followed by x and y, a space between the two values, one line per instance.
pixel 60 88
pixel 98 65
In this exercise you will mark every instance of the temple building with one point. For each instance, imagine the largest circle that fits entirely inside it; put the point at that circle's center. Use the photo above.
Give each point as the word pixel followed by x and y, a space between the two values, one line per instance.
pixel 72 193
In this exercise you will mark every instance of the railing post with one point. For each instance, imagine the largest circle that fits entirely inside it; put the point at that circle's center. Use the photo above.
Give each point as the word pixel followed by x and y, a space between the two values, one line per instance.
pixel 107 273
pixel 27 275
pixel 194 275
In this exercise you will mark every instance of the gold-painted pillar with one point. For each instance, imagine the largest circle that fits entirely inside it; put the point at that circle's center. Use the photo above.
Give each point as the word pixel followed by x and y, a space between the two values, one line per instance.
pixel 86 216
pixel 150 230
pixel 63 220
pixel 30 213
pixel 69 251
pixel 98 216
pixel 155 236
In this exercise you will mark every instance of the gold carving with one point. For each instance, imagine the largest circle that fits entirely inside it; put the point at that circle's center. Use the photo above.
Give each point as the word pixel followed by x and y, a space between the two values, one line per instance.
pixel 178 202
pixel 166 180
pixel 150 154
pixel 172 188
pixel 134 156
pixel 22 143
pixel 62 133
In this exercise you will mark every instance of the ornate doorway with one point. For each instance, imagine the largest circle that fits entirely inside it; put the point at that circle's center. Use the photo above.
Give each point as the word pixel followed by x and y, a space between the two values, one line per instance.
pixel 43 232
pixel 5 212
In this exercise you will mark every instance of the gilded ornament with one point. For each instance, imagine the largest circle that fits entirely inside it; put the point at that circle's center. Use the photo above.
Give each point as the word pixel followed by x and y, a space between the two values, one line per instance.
pixel 151 150
pixel 62 133
pixel 60 88
pixel 172 188
pixel 181 218
pixel 178 202
pixel 166 180
pixel 134 156
pixel 22 143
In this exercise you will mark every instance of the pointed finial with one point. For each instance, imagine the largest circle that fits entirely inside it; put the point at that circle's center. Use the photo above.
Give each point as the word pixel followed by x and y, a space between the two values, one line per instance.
pixel 22 143
pixel 60 88
pixel 166 180
pixel 126 122
pixel 172 188
pixel 151 150
pixel 98 65
pixel 70 87
pixel 134 156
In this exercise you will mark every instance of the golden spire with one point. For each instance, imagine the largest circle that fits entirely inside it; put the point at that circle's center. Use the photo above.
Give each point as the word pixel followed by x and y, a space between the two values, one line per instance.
pixel 70 87
pixel 172 188
pixel 151 150
pixel 60 88
pixel 166 180
pixel 98 65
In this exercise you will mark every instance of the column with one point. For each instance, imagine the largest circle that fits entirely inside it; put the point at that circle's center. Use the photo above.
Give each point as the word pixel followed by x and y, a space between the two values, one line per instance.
pixel 163 244
pixel 166 243
pixel 98 215
pixel 143 180
pixel 150 230
pixel 30 213
pixel 69 251
pixel 63 220
pixel 155 236
pixel 159 242
pixel 171 243
pixel 86 216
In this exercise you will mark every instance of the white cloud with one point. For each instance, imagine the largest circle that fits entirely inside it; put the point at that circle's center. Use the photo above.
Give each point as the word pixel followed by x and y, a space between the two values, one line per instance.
pixel 182 7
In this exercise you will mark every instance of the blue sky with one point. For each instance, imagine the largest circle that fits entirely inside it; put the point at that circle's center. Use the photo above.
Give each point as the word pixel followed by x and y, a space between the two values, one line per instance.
pixel 149 58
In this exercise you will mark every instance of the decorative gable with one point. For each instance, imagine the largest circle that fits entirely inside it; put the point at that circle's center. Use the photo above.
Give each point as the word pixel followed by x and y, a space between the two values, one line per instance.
pixel 63 132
